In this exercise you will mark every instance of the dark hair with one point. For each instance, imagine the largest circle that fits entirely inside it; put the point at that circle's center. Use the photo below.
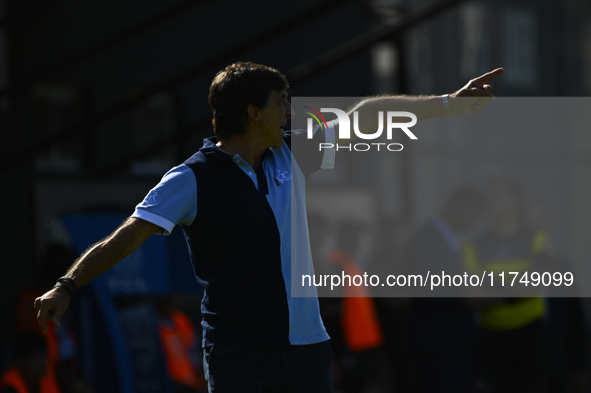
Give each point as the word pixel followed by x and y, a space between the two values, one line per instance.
pixel 464 208
pixel 235 88
pixel 27 344
pixel 465 199
pixel 510 185
pixel 514 190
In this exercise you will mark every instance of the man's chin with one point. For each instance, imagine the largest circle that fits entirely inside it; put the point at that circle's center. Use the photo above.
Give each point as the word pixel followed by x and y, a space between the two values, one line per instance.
pixel 279 143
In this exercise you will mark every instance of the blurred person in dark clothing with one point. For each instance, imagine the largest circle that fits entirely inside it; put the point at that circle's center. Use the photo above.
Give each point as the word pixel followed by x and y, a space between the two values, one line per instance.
pixel 391 256
pixel 512 334
pixel 443 329
pixel 56 258
pixel 62 350
pixel 29 374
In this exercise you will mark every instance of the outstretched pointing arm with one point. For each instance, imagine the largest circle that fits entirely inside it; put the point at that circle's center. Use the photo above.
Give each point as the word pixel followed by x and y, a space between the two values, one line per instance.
pixel 470 98
pixel 99 258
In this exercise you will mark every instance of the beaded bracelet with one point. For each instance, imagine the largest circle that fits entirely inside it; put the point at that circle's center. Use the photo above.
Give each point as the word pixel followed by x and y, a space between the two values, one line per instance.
pixel 65 288
pixel 71 282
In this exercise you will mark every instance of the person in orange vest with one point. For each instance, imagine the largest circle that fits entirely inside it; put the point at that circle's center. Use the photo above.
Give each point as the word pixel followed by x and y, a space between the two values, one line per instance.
pixel 177 335
pixel 360 326
pixel 29 374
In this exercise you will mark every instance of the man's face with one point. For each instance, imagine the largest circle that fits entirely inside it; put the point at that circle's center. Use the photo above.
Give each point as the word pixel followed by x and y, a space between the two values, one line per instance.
pixel 501 202
pixel 469 219
pixel 274 117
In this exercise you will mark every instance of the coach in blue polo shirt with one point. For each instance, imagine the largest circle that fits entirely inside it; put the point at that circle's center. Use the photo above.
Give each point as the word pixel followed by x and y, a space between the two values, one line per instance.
pixel 234 200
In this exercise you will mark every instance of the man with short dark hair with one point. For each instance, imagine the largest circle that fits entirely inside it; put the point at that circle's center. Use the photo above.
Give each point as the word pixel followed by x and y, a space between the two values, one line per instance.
pixel 237 87
pixel 234 200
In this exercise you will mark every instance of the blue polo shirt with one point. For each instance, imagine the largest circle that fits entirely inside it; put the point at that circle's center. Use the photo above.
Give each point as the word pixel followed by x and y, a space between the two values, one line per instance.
pixel 240 225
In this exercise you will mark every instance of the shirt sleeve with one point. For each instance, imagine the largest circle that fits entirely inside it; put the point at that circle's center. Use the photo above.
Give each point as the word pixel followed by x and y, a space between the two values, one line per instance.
pixel 317 152
pixel 173 201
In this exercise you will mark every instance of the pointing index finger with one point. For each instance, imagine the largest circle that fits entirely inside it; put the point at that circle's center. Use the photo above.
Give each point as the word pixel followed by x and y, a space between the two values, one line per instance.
pixel 489 76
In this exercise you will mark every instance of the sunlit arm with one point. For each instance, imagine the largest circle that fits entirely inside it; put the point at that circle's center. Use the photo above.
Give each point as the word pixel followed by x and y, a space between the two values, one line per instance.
pixel 103 255
pixel 472 97
pixel 99 258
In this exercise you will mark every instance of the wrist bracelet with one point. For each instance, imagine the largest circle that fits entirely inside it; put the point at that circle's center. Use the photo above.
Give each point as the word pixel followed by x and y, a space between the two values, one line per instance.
pixel 446 107
pixel 71 282
pixel 65 288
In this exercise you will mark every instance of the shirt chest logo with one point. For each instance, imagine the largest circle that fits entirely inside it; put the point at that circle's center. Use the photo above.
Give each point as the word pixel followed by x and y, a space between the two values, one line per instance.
pixel 283 176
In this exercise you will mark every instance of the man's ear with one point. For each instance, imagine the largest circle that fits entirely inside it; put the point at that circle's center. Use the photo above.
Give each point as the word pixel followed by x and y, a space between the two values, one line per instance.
pixel 253 114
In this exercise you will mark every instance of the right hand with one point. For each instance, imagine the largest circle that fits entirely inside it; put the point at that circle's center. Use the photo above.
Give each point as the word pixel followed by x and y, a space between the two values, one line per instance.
pixel 51 305
pixel 475 94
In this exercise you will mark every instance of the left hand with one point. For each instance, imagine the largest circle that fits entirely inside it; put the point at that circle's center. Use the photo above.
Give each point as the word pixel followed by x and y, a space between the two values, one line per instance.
pixel 51 306
pixel 475 94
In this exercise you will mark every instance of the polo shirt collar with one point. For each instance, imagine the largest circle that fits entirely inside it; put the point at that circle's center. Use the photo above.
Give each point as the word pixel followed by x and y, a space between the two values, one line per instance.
pixel 210 147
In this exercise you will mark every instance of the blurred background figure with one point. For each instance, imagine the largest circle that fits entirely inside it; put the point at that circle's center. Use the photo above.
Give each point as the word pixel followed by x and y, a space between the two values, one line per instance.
pixel 331 308
pixel 321 237
pixel 364 363
pixel 391 256
pixel 443 329
pixel 181 347
pixel 61 343
pixel 512 335
pixel 30 372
